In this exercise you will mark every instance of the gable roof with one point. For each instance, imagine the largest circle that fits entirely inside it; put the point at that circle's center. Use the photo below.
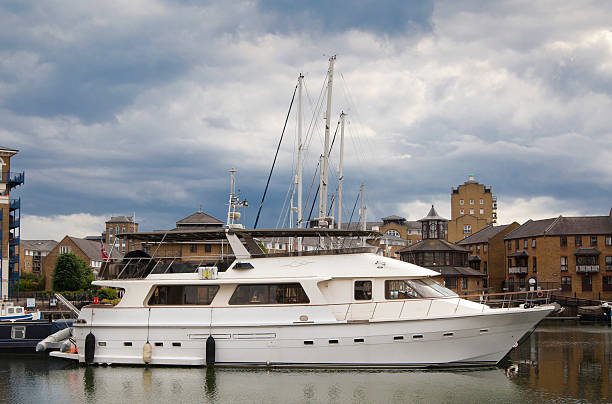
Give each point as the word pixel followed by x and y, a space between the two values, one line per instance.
pixel 92 249
pixel 560 226
pixel 484 235
pixel 433 244
pixel 38 245
pixel 199 218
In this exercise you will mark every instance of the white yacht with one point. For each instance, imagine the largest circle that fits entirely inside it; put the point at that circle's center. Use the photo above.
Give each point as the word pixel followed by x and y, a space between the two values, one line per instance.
pixel 350 308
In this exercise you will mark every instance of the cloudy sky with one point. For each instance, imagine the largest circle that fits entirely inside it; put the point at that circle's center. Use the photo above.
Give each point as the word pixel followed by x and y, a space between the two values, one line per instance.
pixel 143 106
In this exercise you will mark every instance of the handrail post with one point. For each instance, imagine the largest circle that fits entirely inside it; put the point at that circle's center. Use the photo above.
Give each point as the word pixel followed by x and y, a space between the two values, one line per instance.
pixel 429 308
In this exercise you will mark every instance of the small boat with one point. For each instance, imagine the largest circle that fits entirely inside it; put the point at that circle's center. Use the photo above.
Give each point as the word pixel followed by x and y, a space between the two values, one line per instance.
pixel 10 312
pixel 595 313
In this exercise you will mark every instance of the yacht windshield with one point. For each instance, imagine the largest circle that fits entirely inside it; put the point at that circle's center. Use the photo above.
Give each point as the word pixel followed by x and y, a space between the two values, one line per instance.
pixel 415 289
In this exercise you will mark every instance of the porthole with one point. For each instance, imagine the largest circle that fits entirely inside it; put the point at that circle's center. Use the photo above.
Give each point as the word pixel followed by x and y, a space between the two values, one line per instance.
pixel 358 340
pixel 159 344
pixel 398 338
pixel 333 341
pixel 176 344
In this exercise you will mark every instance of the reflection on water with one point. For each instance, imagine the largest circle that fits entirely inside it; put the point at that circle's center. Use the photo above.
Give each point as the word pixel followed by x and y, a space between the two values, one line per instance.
pixel 567 361
pixel 557 363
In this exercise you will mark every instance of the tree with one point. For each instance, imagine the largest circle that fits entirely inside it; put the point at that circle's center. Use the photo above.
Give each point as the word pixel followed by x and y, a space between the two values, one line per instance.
pixel 71 273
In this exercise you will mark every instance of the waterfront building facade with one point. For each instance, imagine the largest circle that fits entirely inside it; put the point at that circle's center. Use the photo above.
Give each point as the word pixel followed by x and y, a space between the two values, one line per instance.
pixel 487 254
pixel 572 254
pixel 32 254
pixel 473 207
pixel 10 230
pixel 450 260
pixel 397 234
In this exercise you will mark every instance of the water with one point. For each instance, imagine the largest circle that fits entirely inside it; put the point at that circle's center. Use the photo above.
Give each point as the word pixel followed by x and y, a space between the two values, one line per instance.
pixel 559 363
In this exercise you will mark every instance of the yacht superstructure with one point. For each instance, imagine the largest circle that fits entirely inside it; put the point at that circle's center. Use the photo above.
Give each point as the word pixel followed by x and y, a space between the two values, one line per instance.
pixel 330 309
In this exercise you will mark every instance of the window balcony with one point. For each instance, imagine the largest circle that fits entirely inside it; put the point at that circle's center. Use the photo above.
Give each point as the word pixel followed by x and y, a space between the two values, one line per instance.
pixel 15 204
pixel 587 269
pixel 518 270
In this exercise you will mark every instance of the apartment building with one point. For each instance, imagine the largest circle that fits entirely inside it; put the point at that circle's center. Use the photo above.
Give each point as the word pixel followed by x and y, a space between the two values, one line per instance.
pixel 32 254
pixel 487 254
pixel 473 207
pixel 117 225
pixel 572 254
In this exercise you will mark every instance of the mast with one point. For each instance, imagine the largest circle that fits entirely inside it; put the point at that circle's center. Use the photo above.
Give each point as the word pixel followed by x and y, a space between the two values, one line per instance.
pixel 325 166
pixel 230 204
pixel 363 212
pixel 300 162
pixel 340 172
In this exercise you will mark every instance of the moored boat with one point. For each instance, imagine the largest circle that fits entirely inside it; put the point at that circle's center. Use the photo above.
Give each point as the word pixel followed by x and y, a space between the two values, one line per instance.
pixel 349 308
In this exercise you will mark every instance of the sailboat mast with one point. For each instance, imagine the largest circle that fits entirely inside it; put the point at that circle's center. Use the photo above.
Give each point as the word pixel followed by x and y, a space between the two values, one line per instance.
pixel 363 213
pixel 340 170
pixel 300 162
pixel 231 197
pixel 325 166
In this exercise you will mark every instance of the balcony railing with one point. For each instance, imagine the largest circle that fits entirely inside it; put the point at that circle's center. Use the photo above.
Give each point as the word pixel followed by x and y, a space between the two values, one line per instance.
pixel 7 177
pixel 518 270
pixel 15 203
pixel 587 268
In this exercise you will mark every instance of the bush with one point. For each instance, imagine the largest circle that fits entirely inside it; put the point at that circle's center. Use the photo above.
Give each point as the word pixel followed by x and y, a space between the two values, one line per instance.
pixel 107 293
pixel 71 273
pixel 31 282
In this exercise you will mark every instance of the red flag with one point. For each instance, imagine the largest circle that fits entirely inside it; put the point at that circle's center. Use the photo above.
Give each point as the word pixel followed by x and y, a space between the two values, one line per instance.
pixel 103 251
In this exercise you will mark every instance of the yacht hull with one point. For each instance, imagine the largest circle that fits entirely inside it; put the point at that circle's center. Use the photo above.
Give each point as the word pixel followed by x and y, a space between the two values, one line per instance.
pixel 453 341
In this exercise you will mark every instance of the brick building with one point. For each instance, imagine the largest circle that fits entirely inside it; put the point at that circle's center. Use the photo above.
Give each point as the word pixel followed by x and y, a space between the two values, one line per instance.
pixel 89 251
pixel 570 253
pixel 10 230
pixel 473 207
pixel 450 260
pixel 487 254
pixel 32 254
pixel 397 234
pixel 117 225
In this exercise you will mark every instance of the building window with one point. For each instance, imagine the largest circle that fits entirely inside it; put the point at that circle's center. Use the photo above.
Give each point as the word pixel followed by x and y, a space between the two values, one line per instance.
pixel 471 201
pixel 478 248
pixel 461 211
pixel 482 202
pixel 516 244
pixel 65 249
pixel 471 211
pixel 179 295
pixel 509 245
pixel 607 283
pixel 535 265
pixel 409 242
pixel 484 248
pixel 450 283
pixel 485 269
pixel 563 241
pixel 593 241
pixel 482 211
pixel 533 243
pixel 392 233
pixel 207 248
pixel 509 262
pixel 578 241
pixel 525 243
pixel 467 229
pixel 608 240
pixel 587 283
pixel 563 264
pixel 608 263
pixel 566 283
pixel 363 290
pixel 278 293
pixel 461 202
pixel 522 283
pixel 117 229
pixel 193 248
pixel 464 283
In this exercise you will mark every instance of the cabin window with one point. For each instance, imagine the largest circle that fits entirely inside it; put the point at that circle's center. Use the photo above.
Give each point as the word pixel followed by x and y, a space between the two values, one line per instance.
pixel 281 293
pixel 399 289
pixel 363 290
pixel 18 332
pixel 11 310
pixel 178 295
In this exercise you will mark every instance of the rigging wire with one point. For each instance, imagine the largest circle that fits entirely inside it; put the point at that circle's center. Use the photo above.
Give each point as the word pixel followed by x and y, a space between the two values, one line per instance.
pixel 348 227
pixel 275 156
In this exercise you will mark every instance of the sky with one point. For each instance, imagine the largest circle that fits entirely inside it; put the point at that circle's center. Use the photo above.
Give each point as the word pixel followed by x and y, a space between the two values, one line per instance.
pixel 142 107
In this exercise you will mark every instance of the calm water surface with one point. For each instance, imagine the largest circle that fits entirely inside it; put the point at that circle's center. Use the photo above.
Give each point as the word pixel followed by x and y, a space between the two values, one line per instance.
pixel 559 363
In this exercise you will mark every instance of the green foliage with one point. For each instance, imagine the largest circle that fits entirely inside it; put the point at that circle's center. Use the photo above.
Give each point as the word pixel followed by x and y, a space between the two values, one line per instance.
pixel 31 282
pixel 71 273
pixel 107 293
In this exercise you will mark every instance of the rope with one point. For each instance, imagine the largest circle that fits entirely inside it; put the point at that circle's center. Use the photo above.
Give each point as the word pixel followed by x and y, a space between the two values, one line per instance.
pixel 275 156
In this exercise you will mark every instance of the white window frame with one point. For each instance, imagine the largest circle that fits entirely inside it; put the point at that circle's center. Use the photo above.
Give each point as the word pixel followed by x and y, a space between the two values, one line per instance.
pixel 471 201
pixel 461 202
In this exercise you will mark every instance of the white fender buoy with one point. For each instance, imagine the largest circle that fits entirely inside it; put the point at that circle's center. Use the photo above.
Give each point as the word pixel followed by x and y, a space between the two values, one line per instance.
pixel 147 352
